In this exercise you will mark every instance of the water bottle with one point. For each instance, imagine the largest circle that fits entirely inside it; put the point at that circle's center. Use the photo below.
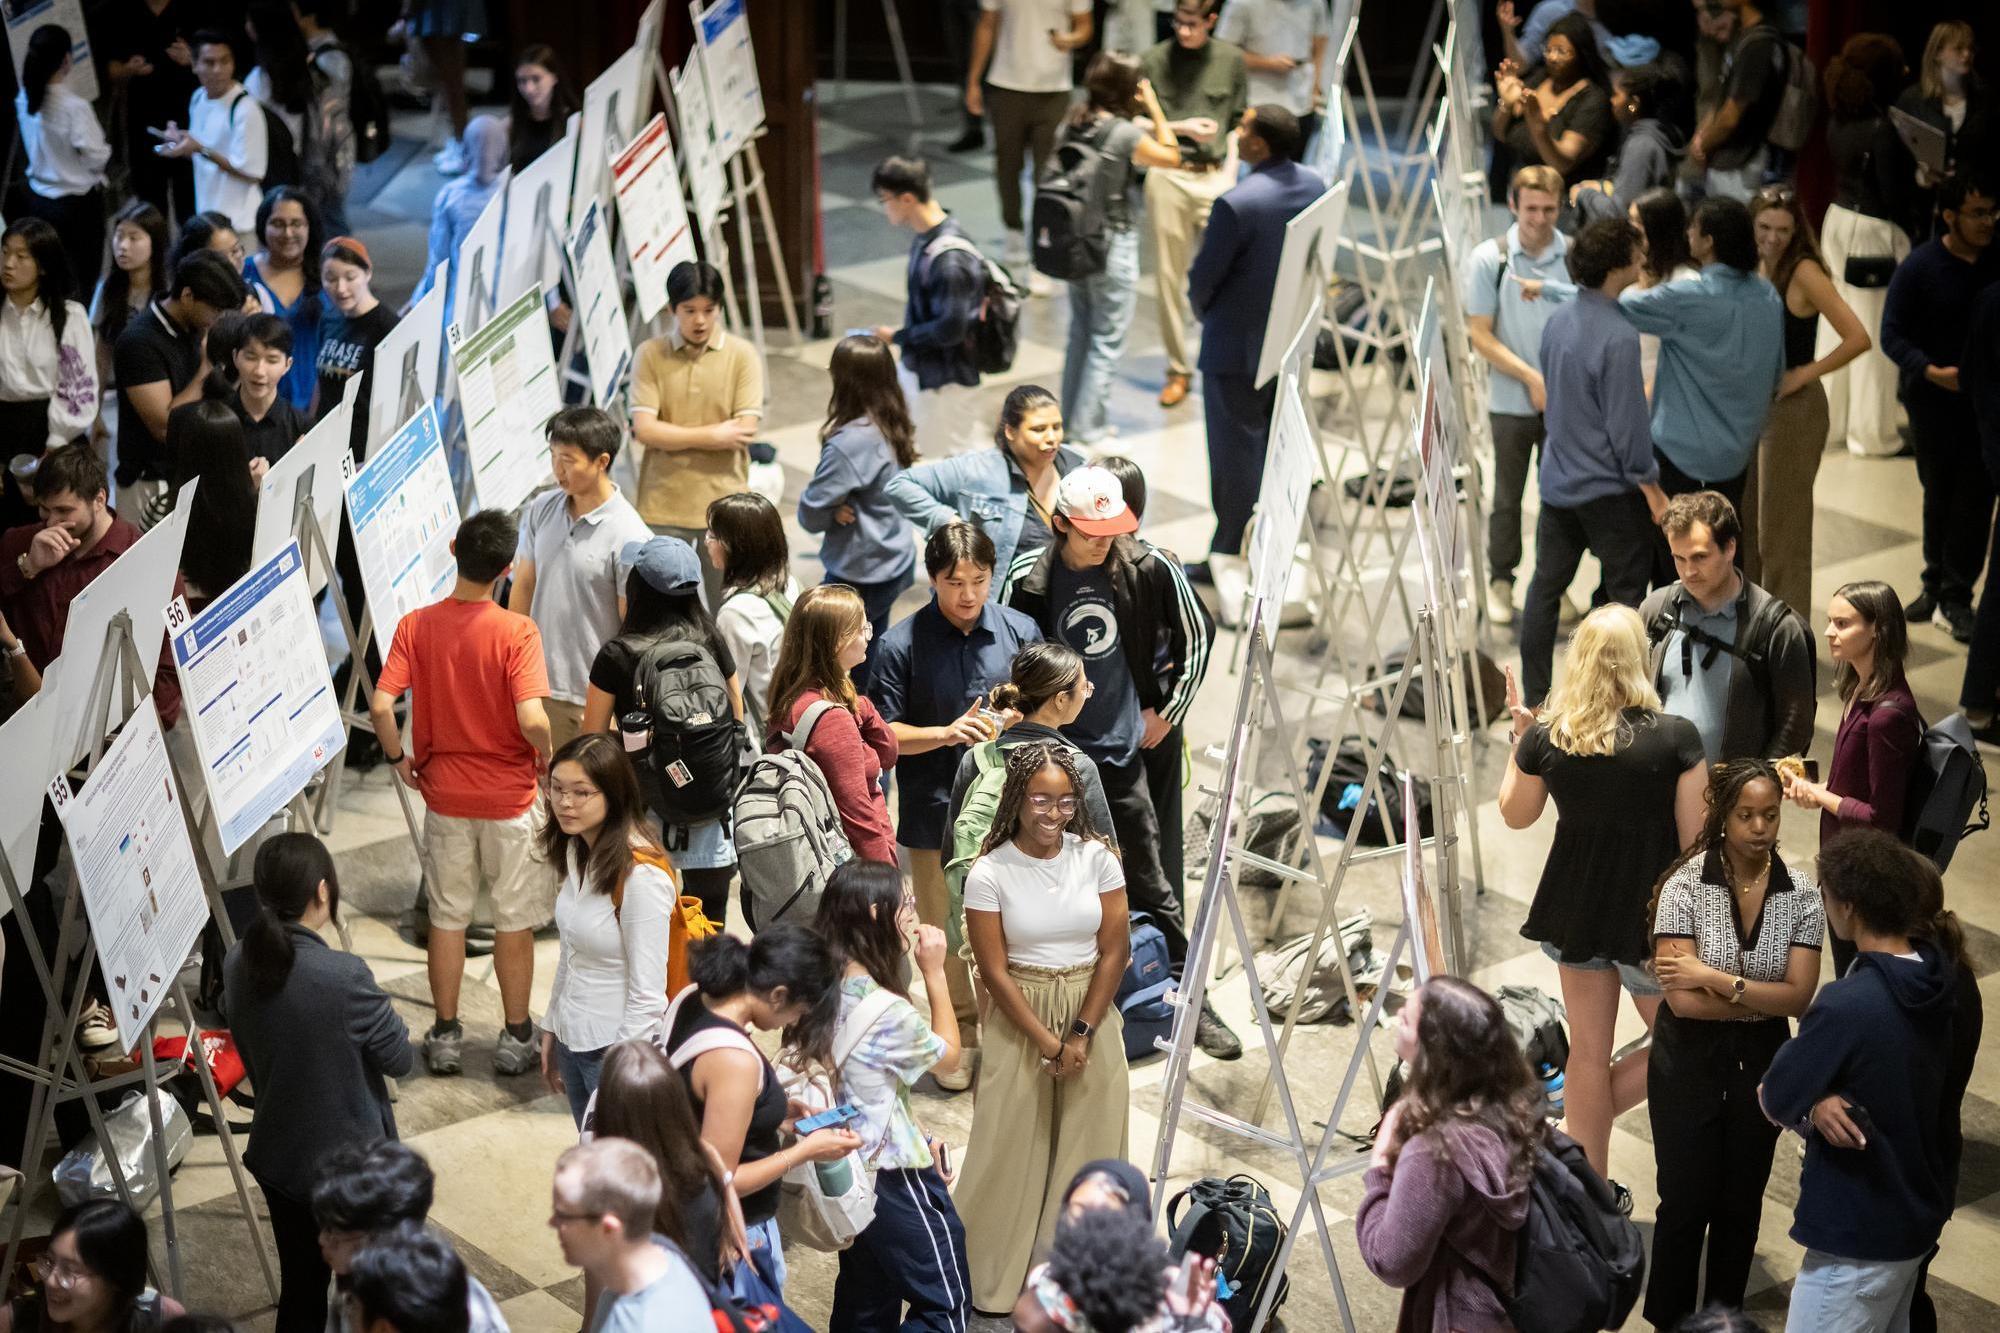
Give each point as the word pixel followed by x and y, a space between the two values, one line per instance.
pixel 822 306
pixel 835 1177
pixel 1552 1081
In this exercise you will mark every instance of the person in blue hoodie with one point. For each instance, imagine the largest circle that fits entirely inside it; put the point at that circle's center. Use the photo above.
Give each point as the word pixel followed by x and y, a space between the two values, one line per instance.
pixel 1869 1081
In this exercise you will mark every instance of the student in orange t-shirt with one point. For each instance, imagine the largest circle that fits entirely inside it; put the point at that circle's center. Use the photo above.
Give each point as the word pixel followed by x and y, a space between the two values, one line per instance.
pixel 479 740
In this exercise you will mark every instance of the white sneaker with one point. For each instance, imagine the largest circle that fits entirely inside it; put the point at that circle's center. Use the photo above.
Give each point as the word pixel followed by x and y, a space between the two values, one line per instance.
pixel 1500 601
pixel 451 160
pixel 1015 250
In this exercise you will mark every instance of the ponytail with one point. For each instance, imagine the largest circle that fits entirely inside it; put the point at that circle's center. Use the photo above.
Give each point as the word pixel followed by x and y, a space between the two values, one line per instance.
pixel 786 956
pixel 289 870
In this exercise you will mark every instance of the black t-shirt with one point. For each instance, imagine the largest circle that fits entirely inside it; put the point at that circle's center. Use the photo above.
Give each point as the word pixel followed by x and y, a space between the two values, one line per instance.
pixel 760 1140
pixel 1588 112
pixel 531 138
pixel 273 437
pixel 152 348
pixel 1754 80
pixel 121 29
pixel 347 346
pixel 611 671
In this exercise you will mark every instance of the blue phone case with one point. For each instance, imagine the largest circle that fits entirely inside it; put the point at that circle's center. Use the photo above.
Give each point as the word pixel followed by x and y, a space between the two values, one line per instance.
pixel 829 1119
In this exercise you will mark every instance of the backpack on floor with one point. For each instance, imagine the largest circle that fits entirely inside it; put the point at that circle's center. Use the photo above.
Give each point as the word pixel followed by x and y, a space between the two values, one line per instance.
pixel 1070 233
pixel 1343 793
pixel 968 834
pixel 1233 1222
pixel 1579 1264
pixel 696 750
pixel 1142 990
pixel 996 330
pixel 1537 1020
pixel 789 837
pixel 1947 783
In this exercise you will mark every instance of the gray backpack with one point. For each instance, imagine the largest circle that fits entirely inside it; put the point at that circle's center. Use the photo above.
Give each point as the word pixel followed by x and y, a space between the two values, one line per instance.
pixel 789 838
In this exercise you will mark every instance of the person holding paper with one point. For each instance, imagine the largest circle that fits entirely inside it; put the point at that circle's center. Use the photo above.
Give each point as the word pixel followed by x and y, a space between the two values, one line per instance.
pixel 479 742
pixel 225 137
pixel 697 399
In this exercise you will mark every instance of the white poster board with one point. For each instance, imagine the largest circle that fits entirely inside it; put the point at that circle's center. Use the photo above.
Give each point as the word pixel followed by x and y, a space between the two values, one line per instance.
pixel 1290 461
pixel 1330 150
pixel 1419 908
pixel 607 340
pixel 141 884
pixel 406 363
pixel 1434 440
pixel 1305 265
pixel 729 65
pixel 139 583
pixel 652 215
pixel 405 514
pixel 508 391
pixel 315 462
pixel 610 117
pixel 478 260
pixel 24 16
pixel 256 690
pixel 28 741
pixel 652 26
pixel 537 220
pixel 706 179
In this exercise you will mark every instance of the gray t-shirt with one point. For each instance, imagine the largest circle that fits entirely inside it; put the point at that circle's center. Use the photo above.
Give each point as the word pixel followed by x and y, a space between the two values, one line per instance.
pixel 578 580
pixel 673 1302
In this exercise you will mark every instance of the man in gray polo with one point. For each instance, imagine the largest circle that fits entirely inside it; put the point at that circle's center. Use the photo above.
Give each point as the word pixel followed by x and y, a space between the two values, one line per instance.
pixel 567 574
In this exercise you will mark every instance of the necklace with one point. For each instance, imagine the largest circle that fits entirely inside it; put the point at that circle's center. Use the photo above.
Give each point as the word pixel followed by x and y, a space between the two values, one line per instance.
pixel 1763 872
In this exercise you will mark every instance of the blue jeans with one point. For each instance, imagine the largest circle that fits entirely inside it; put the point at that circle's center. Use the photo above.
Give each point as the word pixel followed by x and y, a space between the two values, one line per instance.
pixel 1835 1295
pixel 878 600
pixel 1100 315
pixel 579 1070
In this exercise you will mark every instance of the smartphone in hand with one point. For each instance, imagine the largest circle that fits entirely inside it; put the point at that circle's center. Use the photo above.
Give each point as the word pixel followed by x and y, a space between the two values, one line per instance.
pixel 830 1119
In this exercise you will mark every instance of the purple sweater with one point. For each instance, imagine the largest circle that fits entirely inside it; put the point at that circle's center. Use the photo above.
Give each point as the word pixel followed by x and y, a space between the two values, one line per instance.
pixel 1432 1226
pixel 1874 752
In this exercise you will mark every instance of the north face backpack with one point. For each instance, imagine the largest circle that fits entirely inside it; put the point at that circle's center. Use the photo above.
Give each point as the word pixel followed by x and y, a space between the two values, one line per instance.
pixel 1579 1264
pixel 1071 235
pixel 789 837
pixel 1234 1223
pixel 697 744
pixel 968 835
pixel 996 331
pixel 1947 783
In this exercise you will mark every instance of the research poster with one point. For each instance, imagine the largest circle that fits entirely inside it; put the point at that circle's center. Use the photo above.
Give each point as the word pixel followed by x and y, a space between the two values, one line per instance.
pixel 405 515
pixel 706 180
pixel 310 469
pixel 735 97
pixel 24 16
pixel 607 342
pixel 1289 467
pixel 255 686
pixel 652 215
pixel 141 885
pixel 507 390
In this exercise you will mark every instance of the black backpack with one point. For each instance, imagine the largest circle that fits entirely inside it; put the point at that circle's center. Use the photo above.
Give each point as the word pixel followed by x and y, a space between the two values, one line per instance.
pixel 1947 783
pixel 1072 235
pixel 1579 1264
pixel 996 331
pixel 1343 792
pixel 1759 632
pixel 281 160
pixel 697 744
pixel 367 108
pixel 1234 1223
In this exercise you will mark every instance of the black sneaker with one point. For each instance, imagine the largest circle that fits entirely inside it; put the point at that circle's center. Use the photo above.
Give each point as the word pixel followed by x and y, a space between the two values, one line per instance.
pixel 971 141
pixel 1213 1035
pixel 1622 1196
pixel 1199 572
pixel 1954 618
pixel 1920 609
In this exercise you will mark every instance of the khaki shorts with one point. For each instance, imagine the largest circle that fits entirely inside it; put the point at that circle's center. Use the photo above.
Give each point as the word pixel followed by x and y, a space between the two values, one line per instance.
pixel 461 854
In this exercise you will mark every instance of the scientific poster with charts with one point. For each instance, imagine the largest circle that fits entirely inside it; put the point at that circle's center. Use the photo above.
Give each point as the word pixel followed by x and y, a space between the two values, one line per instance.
pixel 255 686
pixel 722 34
pixel 607 342
pixel 706 179
pixel 405 515
pixel 141 885
pixel 24 16
pixel 652 215
pixel 507 388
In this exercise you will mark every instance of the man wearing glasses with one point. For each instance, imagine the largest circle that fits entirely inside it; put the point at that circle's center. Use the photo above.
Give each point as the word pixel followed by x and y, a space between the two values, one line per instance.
pixel 606 1193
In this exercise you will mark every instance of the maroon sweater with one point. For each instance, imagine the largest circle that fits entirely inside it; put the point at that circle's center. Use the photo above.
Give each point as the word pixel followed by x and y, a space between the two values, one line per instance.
pixel 852 749
pixel 1874 752
pixel 1443 1229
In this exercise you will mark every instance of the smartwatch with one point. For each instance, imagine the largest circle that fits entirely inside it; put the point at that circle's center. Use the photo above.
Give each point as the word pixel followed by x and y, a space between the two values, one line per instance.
pixel 1079 1028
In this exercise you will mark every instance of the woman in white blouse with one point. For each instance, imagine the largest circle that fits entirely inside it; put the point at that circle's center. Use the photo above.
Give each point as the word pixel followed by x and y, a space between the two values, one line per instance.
pixel 66 152
pixel 612 915
pixel 48 356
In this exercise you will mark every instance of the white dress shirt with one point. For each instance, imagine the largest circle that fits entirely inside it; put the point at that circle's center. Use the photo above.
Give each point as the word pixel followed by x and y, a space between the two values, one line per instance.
pixel 611 966
pixel 32 366
pixel 65 145
pixel 241 139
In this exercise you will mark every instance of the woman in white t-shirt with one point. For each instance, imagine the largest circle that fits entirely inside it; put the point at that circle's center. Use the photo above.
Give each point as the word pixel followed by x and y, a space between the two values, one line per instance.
pixel 746 541
pixel 613 915
pixel 1045 912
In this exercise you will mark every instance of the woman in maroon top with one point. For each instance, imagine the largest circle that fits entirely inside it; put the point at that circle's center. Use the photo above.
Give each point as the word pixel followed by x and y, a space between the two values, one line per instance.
pixel 826 638
pixel 1875 749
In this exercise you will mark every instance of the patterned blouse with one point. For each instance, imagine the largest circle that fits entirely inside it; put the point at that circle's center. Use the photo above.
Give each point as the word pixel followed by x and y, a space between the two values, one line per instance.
pixel 897 1051
pixel 1696 903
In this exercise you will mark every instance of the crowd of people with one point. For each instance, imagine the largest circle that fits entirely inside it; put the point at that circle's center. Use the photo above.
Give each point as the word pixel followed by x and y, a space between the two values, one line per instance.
pixel 1672 350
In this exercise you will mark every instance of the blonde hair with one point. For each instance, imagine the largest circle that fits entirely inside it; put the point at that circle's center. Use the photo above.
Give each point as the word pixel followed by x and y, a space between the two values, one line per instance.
pixel 1536 177
pixel 1950 33
pixel 613 1178
pixel 809 654
pixel 1608 671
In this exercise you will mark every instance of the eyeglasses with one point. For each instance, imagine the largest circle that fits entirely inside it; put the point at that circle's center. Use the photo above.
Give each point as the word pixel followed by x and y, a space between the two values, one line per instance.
pixel 54 1272
pixel 1085 687
pixel 561 795
pixel 1063 805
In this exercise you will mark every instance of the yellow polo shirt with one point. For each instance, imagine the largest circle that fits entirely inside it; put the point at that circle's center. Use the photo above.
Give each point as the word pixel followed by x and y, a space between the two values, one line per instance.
pixel 694 386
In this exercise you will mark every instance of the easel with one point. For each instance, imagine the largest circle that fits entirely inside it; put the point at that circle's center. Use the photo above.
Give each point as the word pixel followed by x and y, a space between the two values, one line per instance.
pixel 121 682
pixel 895 25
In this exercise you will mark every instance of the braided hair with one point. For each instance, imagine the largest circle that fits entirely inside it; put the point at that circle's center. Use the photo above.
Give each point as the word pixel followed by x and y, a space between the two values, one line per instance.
pixel 1023 762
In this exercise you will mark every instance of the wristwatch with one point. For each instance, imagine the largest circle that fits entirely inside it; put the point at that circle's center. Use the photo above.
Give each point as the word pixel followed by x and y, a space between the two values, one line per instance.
pixel 1736 991
pixel 1079 1028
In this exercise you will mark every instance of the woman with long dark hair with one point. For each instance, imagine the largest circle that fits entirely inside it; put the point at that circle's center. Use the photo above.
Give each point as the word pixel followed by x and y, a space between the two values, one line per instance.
pixel 318 1038
pixel 285 278
pixel 746 542
pixel 1447 1189
pixel 613 911
pixel 207 231
pixel 878 1048
pixel 92 1277
pixel 663 606
pixel 66 152
pixel 138 276
pixel 1045 912
pixel 1778 493
pixel 1647 102
pixel 48 359
pixel 1559 112
pixel 866 440
pixel 205 443
pixel 1736 945
pixel 541 106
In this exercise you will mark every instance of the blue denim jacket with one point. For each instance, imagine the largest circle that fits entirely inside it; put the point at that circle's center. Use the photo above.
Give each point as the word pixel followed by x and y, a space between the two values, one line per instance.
pixel 983 487
pixel 854 465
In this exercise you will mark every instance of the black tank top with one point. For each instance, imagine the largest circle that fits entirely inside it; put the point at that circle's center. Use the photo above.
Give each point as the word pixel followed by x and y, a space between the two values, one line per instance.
pixel 760 1140
pixel 1801 332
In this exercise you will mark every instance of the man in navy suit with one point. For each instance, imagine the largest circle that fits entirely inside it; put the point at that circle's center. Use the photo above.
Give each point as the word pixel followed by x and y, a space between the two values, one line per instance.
pixel 1230 286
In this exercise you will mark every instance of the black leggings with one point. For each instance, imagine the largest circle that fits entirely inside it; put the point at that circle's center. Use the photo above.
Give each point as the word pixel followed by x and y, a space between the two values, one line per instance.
pixel 302 1272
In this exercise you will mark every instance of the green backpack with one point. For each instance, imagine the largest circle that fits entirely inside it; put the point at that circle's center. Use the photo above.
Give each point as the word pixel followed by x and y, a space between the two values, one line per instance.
pixel 968 834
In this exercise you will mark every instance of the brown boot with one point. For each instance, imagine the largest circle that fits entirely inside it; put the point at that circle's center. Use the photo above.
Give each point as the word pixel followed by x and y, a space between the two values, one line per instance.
pixel 1175 391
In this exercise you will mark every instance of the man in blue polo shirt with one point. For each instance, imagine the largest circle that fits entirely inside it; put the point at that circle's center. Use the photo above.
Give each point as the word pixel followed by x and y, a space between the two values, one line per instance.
pixel 932 672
